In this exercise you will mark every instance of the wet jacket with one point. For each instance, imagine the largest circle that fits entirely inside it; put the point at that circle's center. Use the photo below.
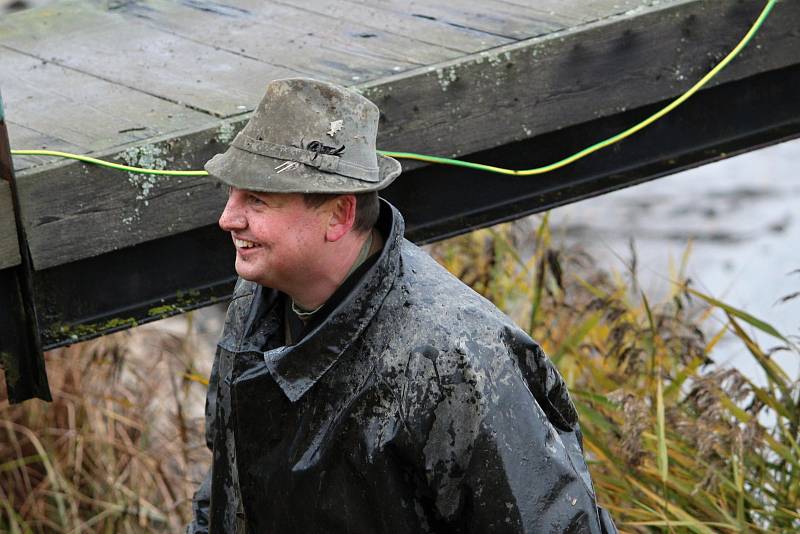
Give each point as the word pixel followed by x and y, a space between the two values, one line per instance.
pixel 414 406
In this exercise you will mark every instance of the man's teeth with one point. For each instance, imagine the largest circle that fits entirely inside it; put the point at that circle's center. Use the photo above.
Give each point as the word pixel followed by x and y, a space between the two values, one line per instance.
pixel 241 243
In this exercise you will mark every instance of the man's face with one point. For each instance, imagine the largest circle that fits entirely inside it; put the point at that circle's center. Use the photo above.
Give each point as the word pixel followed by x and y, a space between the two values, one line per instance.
pixel 277 237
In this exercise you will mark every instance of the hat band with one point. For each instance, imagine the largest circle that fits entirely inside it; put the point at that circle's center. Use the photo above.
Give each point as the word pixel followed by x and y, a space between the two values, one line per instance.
pixel 323 162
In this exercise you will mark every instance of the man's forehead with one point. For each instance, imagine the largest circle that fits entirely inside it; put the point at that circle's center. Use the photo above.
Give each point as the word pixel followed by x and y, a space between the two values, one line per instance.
pixel 276 198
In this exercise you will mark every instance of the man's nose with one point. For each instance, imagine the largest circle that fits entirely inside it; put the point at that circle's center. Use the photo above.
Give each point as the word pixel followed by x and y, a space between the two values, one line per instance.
pixel 233 216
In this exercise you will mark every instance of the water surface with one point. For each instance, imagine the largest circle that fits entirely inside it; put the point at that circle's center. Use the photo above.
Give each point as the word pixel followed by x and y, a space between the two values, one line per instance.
pixel 743 218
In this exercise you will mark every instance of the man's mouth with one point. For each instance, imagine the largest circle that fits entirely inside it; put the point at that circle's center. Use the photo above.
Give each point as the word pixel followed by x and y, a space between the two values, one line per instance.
pixel 241 243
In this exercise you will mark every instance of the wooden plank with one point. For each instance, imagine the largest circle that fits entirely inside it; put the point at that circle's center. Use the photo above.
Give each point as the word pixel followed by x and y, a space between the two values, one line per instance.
pixel 81 113
pixel 383 18
pixel 459 107
pixel 327 32
pixel 222 71
pixel 108 45
pixel 9 248
pixel 490 17
pixel 300 39
pixel 23 137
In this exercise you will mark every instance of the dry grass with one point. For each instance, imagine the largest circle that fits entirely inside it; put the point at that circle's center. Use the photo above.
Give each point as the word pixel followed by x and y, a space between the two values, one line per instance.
pixel 675 443
pixel 120 449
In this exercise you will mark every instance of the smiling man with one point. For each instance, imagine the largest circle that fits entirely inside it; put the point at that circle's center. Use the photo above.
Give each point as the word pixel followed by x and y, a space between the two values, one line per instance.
pixel 357 386
pixel 276 233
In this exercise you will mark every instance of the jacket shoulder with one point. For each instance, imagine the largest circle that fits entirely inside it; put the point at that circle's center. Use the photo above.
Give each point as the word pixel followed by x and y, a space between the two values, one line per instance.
pixel 450 342
pixel 465 379
pixel 429 283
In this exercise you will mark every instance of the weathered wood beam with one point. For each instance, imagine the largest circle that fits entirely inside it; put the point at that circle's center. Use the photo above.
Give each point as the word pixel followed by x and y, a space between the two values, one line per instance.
pixel 9 247
pixel 20 343
pixel 101 210
pixel 540 85
pixel 9 243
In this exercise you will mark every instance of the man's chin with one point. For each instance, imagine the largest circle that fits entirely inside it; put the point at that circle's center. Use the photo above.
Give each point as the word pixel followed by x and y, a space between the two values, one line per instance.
pixel 246 272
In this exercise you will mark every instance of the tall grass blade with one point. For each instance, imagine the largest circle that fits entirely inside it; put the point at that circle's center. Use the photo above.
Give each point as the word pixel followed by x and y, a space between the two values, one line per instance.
pixel 744 316
pixel 663 458
pixel 777 375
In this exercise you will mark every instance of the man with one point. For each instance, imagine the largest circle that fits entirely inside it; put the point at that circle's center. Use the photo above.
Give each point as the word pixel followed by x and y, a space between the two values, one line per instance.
pixel 358 387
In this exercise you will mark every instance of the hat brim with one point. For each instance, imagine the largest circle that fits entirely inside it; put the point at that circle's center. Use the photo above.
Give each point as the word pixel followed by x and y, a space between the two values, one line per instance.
pixel 245 170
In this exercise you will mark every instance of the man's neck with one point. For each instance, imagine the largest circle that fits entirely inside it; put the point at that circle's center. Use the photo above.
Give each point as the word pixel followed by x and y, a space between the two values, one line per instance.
pixel 334 270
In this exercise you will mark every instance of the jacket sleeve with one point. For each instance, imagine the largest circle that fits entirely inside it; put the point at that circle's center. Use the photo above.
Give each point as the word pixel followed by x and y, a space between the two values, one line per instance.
pixel 202 497
pixel 504 451
pixel 234 320
pixel 200 505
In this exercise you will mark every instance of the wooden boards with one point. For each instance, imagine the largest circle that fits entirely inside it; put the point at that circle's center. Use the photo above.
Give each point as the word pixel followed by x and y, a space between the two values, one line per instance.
pixel 450 80
pixel 123 50
pixel 79 69
pixel 9 249
pixel 59 108
pixel 573 76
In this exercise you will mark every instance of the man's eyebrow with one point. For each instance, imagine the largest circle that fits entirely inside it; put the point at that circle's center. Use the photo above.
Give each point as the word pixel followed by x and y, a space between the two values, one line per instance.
pixel 270 199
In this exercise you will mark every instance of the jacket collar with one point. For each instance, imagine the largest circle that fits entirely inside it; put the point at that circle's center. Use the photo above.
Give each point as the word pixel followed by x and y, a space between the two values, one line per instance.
pixel 298 367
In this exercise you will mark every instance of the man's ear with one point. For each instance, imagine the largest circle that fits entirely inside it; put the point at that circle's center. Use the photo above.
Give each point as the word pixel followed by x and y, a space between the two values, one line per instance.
pixel 342 217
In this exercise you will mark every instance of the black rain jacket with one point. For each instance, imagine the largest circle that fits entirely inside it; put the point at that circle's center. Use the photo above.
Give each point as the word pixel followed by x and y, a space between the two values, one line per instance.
pixel 415 406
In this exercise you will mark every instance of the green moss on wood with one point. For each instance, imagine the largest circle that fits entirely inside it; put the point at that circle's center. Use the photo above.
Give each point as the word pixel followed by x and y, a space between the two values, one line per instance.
pixel 87 330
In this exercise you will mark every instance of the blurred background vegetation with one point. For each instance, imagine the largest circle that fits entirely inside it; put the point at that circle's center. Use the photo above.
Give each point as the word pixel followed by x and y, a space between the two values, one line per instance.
pixel 676 442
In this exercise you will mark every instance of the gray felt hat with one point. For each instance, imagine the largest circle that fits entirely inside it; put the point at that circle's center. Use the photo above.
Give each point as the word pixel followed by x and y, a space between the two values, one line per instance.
pixel 307 136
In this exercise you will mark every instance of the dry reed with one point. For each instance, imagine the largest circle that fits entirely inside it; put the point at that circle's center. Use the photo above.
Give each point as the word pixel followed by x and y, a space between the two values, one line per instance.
pixel 675 443
pixel 120 448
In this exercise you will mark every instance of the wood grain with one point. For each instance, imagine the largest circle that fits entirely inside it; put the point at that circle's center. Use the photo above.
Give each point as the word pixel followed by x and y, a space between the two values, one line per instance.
pixel 76 211
pixel 9 249
pixel 126 51
pixel 300 35
pixel 81 113
pixel 386 17
pixel 489 17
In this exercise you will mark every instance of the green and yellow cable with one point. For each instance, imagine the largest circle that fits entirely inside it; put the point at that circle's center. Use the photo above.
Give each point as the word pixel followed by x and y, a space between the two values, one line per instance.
pixel 478 166
pixel 103 163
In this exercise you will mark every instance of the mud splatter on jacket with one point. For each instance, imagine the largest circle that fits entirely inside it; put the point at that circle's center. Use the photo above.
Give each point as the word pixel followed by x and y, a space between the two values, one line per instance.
pixel 415 406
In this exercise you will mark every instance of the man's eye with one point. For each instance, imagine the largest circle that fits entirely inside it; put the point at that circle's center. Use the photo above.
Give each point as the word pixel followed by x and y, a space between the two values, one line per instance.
pixel 255 200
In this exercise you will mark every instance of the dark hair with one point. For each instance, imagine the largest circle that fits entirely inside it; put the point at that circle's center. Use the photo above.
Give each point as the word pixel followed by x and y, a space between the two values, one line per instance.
pixel 367 207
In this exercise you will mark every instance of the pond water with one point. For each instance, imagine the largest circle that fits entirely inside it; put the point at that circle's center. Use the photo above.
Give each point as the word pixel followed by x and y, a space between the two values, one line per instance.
pixel 742 216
